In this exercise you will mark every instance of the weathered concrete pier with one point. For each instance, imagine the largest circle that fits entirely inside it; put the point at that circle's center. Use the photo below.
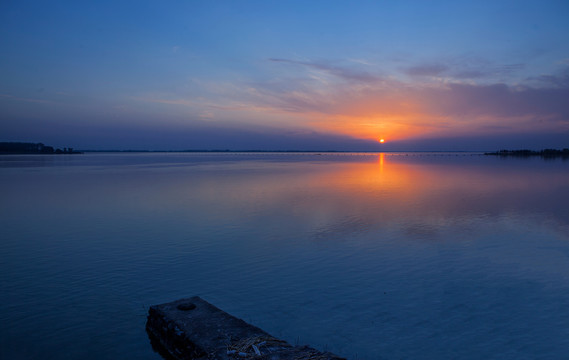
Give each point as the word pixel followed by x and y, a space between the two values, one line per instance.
pixel 192 328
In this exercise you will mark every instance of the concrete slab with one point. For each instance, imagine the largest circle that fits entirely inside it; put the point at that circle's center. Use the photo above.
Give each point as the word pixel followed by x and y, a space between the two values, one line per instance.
pixel 192 328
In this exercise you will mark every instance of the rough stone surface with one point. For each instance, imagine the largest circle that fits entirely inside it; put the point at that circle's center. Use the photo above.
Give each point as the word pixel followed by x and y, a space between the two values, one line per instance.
pixel 192 328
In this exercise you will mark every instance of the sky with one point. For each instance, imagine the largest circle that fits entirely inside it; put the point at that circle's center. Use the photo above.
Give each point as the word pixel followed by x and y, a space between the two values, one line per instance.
pixel 285 75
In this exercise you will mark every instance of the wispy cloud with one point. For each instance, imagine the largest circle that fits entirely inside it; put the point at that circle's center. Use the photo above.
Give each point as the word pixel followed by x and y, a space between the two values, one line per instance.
pixel 30 100
pixel 344 73
pixel 462 68
pixel 426 70
pixel 433 100
pixel 559 80
pixel 448 106
pixel 469 74
pixel 362 61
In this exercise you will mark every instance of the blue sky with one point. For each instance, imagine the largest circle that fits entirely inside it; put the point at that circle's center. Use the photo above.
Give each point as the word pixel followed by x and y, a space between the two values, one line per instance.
pixel 304 75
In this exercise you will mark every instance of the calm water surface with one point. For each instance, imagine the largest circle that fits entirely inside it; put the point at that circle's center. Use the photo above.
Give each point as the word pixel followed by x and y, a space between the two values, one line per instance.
pixel 371 256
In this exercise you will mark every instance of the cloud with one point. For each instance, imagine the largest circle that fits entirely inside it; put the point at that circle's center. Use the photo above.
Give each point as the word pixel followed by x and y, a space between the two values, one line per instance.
pixel 337 71
pixel 30 100
pixel 462 68
pixel 469 74
pixel 500 100
pixel 450 98
pixel 361 61
pixel 364 105
pixel 559 80
pixel 510 68
pixel 426 70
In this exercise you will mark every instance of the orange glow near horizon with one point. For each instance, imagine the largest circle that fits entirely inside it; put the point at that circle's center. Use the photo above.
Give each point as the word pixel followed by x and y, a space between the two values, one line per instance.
pixel 399 127
pixel 392 128
pixel 391 117
pixel 395 119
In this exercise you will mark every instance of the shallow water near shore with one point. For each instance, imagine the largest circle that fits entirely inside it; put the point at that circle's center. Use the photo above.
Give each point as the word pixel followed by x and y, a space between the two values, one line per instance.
pixel 370 256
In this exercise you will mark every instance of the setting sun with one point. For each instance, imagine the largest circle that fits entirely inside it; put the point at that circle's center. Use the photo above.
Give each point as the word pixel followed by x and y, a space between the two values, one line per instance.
pixel 382 140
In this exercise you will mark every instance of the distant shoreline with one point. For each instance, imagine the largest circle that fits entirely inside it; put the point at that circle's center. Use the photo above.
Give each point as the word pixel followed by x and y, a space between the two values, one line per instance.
pixel 22 148
pixel 545 153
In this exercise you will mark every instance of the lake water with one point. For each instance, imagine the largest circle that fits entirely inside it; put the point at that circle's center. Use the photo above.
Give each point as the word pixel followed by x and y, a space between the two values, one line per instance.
pixel 370 256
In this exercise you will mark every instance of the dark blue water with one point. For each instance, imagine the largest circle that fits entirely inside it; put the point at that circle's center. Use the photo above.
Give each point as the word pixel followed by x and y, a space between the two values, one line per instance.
pixel 371 256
